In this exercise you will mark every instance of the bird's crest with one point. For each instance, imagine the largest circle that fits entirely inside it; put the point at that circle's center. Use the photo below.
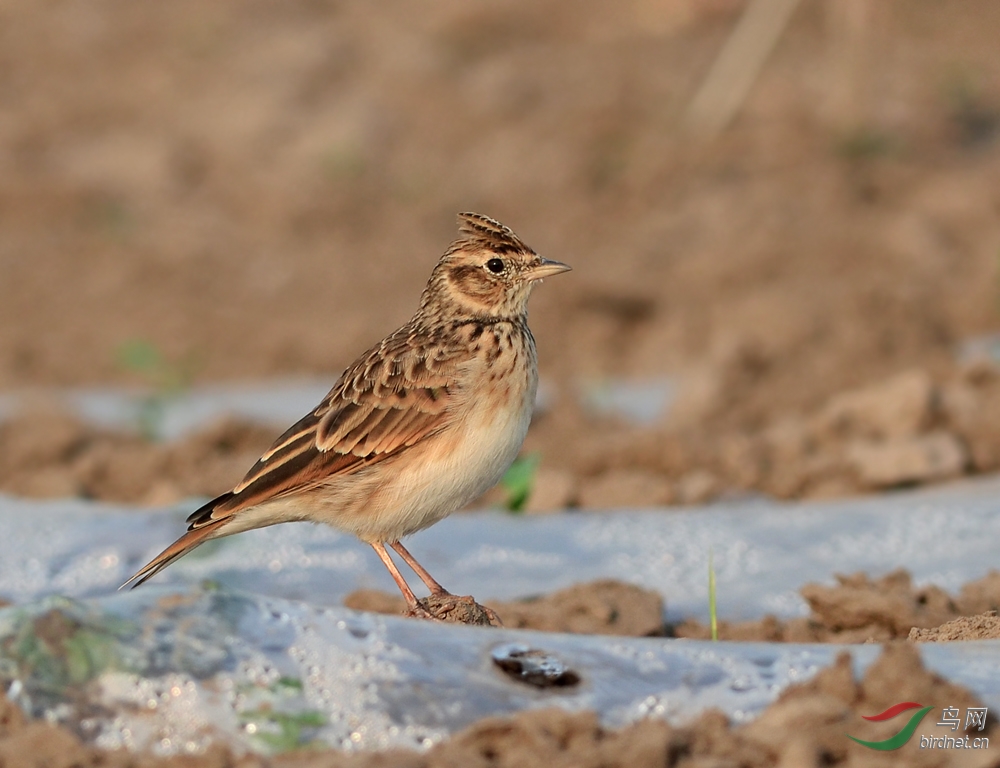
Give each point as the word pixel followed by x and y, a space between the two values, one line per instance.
pixel 482 230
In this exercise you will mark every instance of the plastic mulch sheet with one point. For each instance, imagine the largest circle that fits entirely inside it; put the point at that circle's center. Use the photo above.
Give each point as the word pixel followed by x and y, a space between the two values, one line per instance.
pixel 243 641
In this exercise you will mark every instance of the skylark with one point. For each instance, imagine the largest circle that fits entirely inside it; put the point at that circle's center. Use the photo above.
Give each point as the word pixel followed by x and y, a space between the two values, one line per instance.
pixel 421 424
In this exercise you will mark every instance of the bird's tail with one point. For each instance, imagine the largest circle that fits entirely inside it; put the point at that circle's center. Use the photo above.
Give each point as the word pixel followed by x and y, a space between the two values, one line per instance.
pixel 179 548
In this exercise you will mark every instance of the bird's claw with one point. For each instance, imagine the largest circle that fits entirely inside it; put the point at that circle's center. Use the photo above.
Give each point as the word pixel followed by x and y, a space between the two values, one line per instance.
pixel 417 611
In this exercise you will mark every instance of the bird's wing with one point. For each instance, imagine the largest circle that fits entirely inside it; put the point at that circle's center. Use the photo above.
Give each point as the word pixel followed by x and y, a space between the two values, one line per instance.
pixel 396 395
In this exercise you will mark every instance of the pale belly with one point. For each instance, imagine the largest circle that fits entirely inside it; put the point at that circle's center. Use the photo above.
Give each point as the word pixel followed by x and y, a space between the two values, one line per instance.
pixel 446 479
pixel 420 486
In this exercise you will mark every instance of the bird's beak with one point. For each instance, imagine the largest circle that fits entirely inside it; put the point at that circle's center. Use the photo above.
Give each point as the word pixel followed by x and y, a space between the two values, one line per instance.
pixel 546 268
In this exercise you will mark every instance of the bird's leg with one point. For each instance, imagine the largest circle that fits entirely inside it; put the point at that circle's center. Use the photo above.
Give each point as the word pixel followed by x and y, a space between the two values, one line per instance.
pixel 426 578
pixel 413 607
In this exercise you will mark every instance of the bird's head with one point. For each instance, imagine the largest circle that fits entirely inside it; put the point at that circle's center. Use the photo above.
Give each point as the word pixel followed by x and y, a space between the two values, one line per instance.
pixel 487 272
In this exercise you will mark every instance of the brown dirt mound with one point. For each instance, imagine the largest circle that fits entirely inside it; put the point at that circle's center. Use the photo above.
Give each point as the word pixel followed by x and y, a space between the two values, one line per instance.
pixel 904 431
pixel 45 452
pixel 856 610
pixel 985 626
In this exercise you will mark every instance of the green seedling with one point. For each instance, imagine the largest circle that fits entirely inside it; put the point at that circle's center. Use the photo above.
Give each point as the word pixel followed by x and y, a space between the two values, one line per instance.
pixel 166 379
pixel 63 647
pixel 866 143
pixel 712 615
pixel 519 481
pixel 344 163
pixel 111 216
pixel 998 280
pixel 289 683
pixel 975 118
pixel 280 731
pixel 283 686
pixel 290 728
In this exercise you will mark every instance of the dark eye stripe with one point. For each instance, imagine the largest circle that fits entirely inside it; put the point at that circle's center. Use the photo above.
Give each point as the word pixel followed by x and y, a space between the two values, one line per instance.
pixel 495 265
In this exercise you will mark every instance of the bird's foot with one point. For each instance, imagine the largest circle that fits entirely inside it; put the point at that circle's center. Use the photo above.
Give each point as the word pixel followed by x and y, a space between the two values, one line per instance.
pixel 417 611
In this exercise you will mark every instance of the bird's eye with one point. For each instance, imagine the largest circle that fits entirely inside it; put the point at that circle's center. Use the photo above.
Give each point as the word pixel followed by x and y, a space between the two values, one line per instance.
pixel 495 266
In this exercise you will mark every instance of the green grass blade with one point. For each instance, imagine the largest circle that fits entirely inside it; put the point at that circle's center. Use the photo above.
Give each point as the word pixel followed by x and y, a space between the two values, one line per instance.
pixel 713 617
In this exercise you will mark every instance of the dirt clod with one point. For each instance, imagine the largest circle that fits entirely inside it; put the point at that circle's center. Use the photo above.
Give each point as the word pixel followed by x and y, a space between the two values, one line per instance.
pixel 906 460
pixel 456 609
pixel 47 452
pixel 985 626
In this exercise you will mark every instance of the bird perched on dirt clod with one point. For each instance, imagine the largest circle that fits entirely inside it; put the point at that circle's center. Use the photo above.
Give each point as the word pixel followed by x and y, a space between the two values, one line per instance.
pixel 421 424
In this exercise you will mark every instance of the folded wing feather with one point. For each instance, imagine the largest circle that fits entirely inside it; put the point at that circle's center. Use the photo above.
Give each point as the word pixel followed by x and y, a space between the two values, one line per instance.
pixel 375 410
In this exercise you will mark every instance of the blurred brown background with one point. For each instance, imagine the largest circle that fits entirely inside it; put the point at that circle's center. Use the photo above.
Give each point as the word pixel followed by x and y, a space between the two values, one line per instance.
pixel 261 189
